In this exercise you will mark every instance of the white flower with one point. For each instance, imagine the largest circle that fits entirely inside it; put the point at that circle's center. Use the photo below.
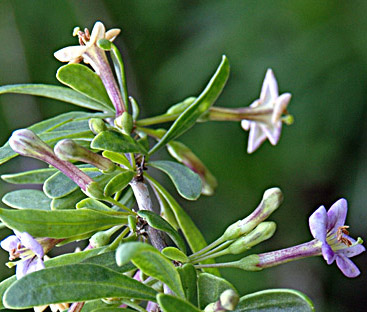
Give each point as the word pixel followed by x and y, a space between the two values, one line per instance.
pixel 266 114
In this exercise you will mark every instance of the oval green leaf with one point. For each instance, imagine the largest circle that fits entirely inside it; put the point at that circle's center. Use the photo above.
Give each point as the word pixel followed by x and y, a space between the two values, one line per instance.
pixel 175 254
pixel 73 283
pixel 118 183
pixel 189 282
pixel 116 142
pixel 151 262
pixel 68 201
pixel 59 223
pixel 84 80
pixel 93 204
pixel 117 158
pixel 159 223
pixel 186 181
pixel 210 288
pixel 174 304
pixel 56 93
pixel 37 176
pixel 27 199
pixel 203 102
pixel 274 300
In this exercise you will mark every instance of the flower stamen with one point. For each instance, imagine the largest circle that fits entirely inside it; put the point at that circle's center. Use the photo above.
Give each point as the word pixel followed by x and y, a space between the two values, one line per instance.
pixel 339 235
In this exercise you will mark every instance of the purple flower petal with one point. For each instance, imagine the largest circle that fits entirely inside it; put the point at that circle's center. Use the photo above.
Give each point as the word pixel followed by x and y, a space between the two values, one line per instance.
pixel 10 243
pixel 347 266
pixel 328 253
pixel 318 223
pixel 337 215
pixel 22 267
pixel 351 251
pixel 28 266
pixel 29 242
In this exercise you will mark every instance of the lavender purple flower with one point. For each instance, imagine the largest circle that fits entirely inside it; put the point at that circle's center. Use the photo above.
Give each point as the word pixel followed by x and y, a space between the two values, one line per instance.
pixel 24 246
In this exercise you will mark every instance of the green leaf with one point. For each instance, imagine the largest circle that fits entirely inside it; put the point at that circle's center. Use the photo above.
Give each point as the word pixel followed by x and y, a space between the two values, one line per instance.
pixel 119 182
pixel 108 259
pixel 67 202
pixel 56 93
pixel 112 309
pixel 174 304
pixel 120 72
pixel 93 204
pixel 116 142
pixel 274 300
pixel 6 153
pixel 189 282
pixel 59 185
pixel 180 107
pixel 94 305
pixel 159 223
pixel 117 158
pixel 37 176
pixel 186 181
pixel 192 234
pixel 73 283
pixel 175 254
pixel 151 262
pixel 84 80
pixel 4 285
pixel 203 102
pixel 27 199
pixel 210 288
pixel 60 223
pixel 73 258
pixel 127 199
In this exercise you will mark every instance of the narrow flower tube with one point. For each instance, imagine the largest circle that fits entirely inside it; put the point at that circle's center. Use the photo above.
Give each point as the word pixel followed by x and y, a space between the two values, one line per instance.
pixel 27 143
pixel 68 150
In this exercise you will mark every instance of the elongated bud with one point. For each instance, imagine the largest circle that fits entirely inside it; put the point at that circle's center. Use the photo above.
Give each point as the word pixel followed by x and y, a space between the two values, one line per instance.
pixel 97 125
pixel 68 150
pixel 125 123
pixel 262 232
pixel 184 155
pixel 25 142
pixel 271 201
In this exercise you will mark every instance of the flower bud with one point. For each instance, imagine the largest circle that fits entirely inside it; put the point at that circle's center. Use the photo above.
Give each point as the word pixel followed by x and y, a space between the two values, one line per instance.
pixel 99 239
pixel 125 123
pixel 229 299
pixel 97 125
pixel 68 150
pixel 184 155
pixel 262 232
pixel 272 199
pixel 25 142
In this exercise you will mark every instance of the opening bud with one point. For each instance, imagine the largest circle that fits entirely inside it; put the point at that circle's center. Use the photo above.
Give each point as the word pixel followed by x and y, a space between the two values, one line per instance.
pixel 262 232
pixel 271 200
pixel 125 123
pixel 68 150
pixel 97 125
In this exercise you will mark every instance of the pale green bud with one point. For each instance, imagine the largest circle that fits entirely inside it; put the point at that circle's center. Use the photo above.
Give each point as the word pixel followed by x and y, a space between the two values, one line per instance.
pixel 125 123
pixel 68 150
pixel 272 199
pixel 249 263
pixel 262 232
pixel 99 239
pixel 97 125
pixel 229 299
pixel 214 307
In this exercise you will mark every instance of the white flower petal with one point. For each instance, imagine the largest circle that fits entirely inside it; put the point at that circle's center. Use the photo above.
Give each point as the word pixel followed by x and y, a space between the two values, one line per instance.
pixel 269 83
pixel 280 106
pixel 70 53
pixel 98 32
pixel 112 34
pixel 256 137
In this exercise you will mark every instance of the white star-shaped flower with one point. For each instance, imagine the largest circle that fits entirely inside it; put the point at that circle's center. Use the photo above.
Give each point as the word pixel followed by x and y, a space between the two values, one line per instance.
pixel 266 122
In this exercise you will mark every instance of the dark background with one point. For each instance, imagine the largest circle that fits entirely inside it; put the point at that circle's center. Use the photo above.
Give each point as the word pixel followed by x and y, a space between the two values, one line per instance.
pixel 318 51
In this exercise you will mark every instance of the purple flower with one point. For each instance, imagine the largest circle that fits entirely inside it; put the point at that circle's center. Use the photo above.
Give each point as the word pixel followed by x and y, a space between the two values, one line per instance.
pixel 24 246
pixel 266 116
pixel 329 229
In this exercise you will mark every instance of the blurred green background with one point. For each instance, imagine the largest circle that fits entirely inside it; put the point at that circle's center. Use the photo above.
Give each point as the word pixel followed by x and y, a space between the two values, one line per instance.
pixel 318 51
